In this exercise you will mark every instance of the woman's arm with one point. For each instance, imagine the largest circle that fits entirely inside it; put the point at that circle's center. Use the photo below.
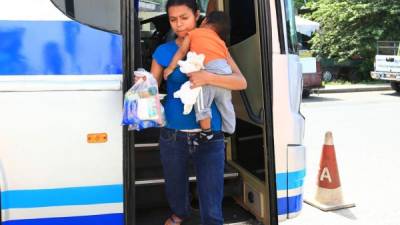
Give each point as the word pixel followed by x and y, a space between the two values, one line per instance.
pixel 157 70
pixel 236 81
pixel 180 54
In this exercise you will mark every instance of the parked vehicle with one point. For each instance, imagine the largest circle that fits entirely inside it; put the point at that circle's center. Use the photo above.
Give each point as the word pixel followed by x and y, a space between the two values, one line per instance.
pixel 65 158
pixel 387 63
pixel 311 70
pixel 312 75
pixel 346 70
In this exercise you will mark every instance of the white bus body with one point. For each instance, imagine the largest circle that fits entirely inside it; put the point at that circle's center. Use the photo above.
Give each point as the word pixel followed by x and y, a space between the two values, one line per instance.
pixel 57 86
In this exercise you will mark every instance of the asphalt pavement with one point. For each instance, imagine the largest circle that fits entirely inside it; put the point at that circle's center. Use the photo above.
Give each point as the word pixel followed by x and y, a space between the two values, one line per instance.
pixel 364 126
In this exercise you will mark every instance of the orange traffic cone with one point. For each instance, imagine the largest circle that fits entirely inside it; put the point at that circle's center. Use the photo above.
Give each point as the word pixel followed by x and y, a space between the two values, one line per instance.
pixel 329 192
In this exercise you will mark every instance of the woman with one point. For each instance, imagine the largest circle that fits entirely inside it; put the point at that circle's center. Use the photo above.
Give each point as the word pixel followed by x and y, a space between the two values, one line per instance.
pixel 176 139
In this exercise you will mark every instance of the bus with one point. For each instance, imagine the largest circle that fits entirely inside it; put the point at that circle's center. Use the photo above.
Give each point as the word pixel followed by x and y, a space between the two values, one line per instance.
pixel 64 156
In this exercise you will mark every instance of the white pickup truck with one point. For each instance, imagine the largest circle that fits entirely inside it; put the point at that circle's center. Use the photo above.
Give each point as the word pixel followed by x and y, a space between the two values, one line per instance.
pixel 387 63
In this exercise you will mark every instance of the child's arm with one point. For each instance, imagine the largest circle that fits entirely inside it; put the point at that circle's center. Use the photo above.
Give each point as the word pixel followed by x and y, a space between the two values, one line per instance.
pixel 179 55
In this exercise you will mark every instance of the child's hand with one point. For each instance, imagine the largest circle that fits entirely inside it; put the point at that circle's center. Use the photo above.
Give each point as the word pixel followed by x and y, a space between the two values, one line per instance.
pixel 167 72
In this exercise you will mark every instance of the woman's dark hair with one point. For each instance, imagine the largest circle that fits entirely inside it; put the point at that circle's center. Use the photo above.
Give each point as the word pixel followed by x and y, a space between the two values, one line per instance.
pixel 191 4
pixel 220 21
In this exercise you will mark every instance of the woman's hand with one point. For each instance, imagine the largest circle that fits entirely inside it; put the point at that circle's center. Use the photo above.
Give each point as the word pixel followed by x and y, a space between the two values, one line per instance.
pixel 199 78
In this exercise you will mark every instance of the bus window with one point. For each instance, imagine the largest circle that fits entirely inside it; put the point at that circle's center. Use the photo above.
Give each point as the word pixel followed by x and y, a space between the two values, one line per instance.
pixel 291 26
pixel 155 28
pixel 101 14
pixel 245 49
pixel 243 24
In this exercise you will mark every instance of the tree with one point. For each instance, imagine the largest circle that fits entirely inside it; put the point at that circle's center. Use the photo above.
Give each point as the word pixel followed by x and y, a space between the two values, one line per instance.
pixel 299 3
pixel 350 28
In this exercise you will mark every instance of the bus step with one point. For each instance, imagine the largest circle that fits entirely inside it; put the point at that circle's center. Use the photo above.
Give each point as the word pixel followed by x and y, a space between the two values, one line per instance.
pixel 148 154
pixel 149 135
pixel 155 145
pixel 144 146
pixel 153 176
pixel 152 196
pixel 149 158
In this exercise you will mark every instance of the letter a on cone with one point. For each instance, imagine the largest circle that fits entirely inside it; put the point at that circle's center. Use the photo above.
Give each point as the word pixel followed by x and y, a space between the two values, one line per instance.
pixel 329 192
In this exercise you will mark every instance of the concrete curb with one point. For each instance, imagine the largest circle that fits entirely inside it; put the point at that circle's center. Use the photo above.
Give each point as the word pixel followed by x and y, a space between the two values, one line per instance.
pixel 351 89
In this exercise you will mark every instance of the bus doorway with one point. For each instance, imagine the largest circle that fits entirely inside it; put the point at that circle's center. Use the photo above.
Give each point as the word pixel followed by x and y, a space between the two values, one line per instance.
pixel 248 170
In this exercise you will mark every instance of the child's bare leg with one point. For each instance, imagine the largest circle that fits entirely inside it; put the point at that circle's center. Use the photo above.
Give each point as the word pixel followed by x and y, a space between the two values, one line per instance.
pixel 205 124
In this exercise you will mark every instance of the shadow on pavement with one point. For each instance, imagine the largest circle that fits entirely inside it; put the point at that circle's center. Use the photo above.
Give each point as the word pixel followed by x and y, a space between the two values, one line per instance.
pixel 395 94
pixel 319 99
pixel 346 213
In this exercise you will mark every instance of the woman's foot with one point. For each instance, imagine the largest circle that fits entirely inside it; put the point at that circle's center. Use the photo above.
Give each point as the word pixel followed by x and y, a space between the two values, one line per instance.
pixel 173 220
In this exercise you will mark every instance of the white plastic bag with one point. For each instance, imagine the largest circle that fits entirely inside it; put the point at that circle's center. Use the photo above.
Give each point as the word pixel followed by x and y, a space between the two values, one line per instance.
pixel 142 107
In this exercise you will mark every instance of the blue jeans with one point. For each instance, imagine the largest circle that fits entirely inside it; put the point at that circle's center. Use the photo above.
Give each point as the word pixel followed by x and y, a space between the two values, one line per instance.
pixel 208 158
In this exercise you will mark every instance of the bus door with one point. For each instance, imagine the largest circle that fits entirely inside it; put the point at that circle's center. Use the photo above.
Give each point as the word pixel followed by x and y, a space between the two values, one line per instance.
pixel 267 147
pixel 249 173
pixel 252 148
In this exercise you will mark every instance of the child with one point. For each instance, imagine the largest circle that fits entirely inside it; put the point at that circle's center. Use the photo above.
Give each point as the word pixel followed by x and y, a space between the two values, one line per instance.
pixel 208 40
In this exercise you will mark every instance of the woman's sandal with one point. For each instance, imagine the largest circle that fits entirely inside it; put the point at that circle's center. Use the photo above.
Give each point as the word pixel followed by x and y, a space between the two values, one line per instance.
pixel 173 220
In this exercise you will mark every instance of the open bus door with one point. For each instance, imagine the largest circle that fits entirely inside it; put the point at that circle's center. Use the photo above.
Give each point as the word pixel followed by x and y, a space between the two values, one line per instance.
pixel 250 177
pixel 250 169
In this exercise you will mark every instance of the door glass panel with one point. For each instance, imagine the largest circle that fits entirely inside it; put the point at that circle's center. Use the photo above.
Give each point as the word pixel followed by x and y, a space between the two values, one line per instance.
pixel 291 26
pixel 245 48
pixel 155 28
pixel 243 21
pixel 248 150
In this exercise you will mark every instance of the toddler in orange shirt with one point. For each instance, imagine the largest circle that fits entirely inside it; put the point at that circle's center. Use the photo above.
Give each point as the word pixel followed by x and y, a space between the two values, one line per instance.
pixel 208 40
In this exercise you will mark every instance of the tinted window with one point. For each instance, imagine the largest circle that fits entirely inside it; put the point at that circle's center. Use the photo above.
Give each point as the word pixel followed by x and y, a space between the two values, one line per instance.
pixel 291 26
pixel 243 23
pixel 101 14
pixel 155 28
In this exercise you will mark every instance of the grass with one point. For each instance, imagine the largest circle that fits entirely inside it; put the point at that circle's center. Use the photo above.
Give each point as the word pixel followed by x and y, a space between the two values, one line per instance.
pixel 337 82
pixel 346 82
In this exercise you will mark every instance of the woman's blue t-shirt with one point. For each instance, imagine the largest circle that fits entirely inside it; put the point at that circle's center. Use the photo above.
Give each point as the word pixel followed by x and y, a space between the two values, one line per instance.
pixel 173 106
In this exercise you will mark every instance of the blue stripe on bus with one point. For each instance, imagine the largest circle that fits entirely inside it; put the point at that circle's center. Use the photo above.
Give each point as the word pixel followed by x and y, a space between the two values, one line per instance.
pixel 57 48
pixel 291 180
pixel 62 196
pixel 290 204
pixel 105 219
pixel 101 194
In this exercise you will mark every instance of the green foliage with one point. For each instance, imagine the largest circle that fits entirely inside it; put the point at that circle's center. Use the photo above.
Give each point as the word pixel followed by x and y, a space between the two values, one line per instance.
pixel 298 3
pixel 350 28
